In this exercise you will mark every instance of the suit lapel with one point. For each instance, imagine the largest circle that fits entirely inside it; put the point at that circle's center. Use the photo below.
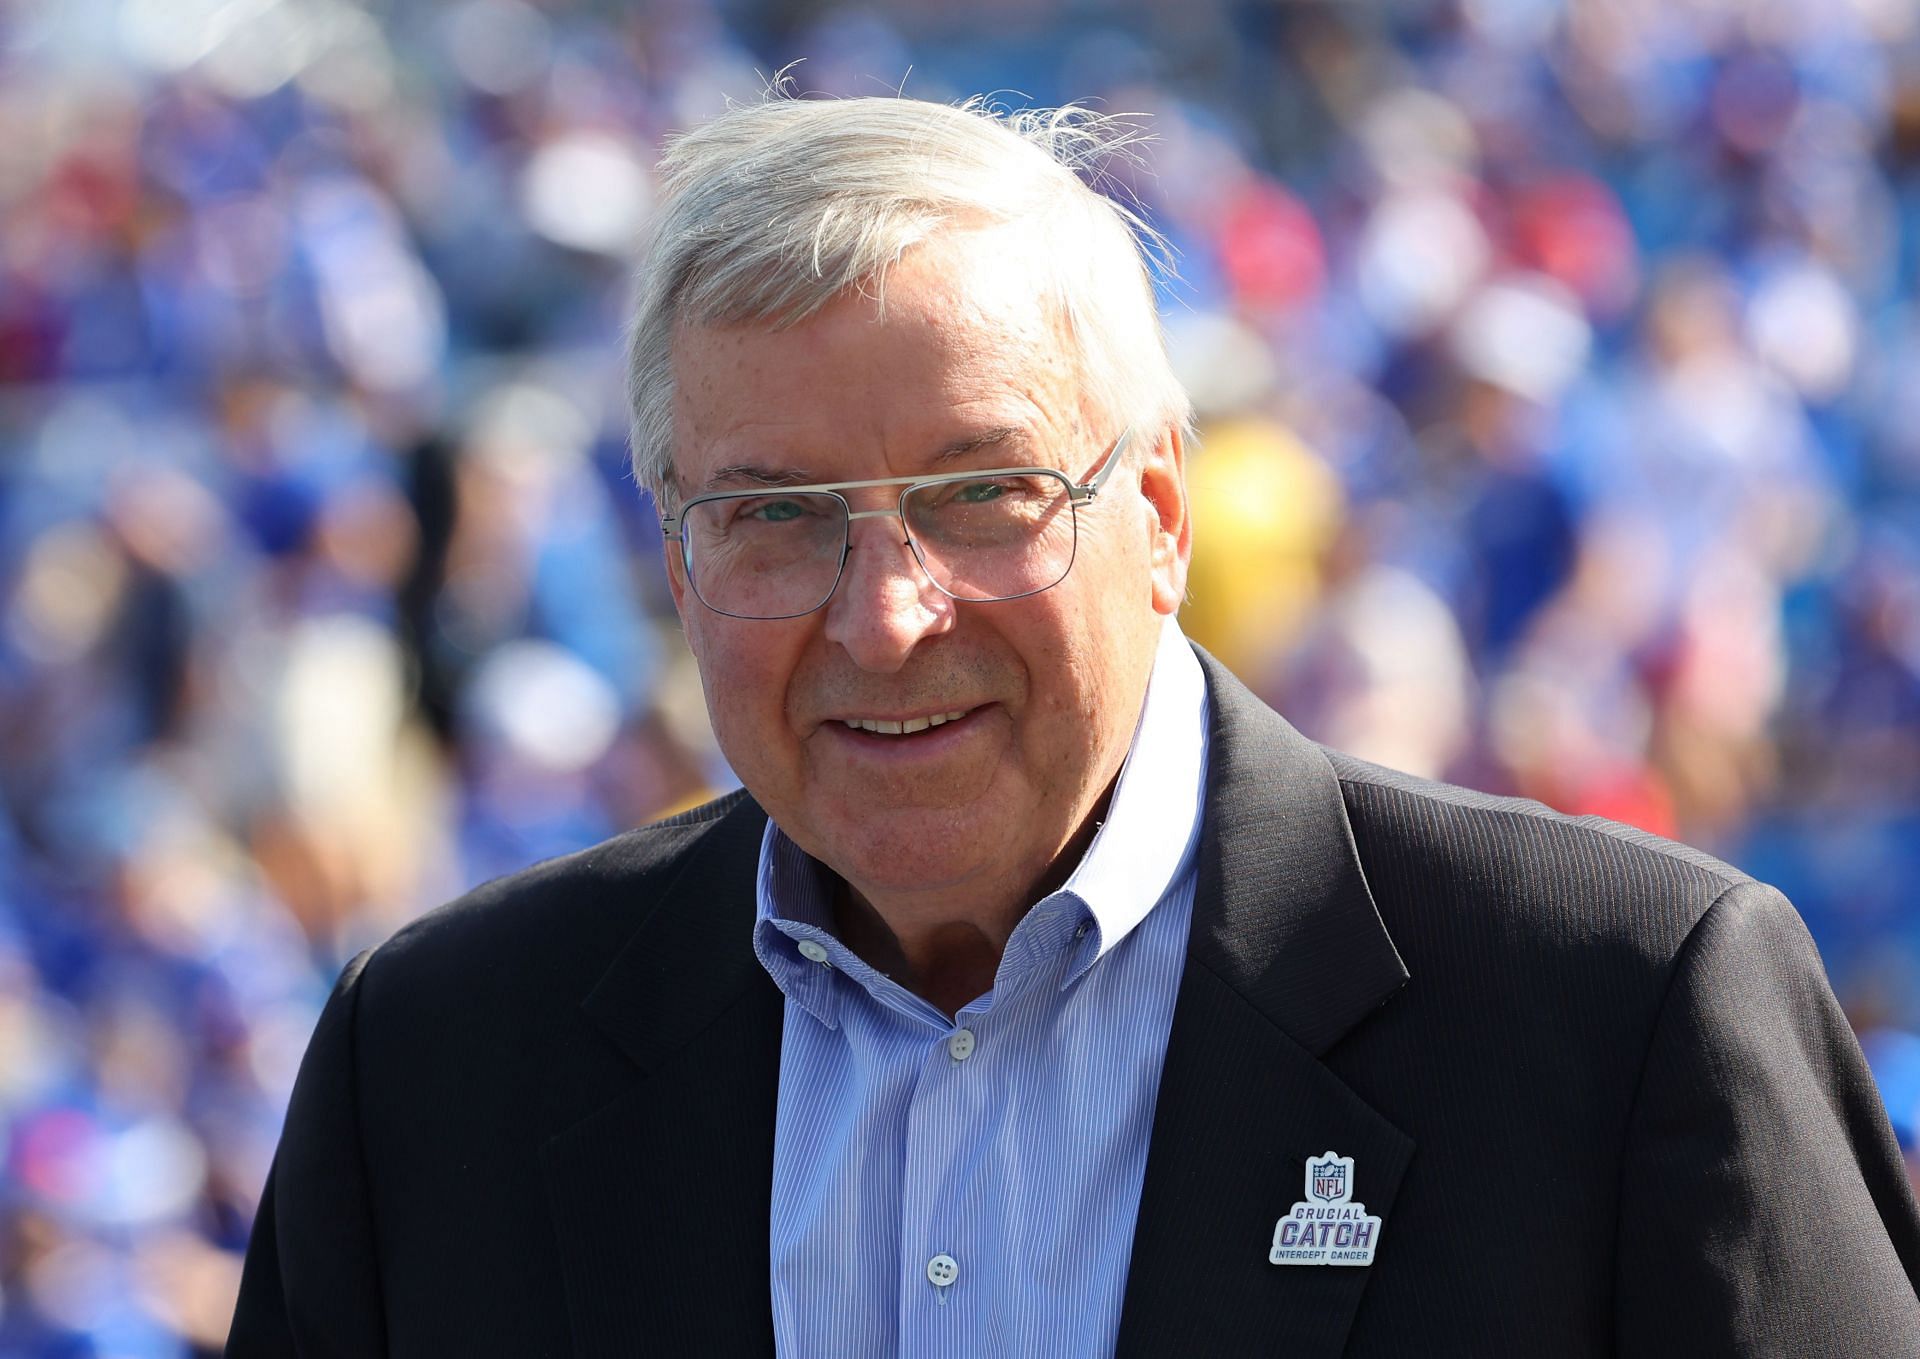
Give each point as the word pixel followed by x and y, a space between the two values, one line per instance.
pixel 661 1198
pixel 1286 955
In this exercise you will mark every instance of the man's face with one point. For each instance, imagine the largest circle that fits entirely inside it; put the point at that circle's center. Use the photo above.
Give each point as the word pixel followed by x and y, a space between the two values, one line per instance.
pixel 1051 685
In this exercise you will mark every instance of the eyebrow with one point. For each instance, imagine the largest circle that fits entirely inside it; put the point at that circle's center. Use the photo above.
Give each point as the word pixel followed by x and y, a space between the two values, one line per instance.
pixel 758 475
pixel 761 474
pixel 973 443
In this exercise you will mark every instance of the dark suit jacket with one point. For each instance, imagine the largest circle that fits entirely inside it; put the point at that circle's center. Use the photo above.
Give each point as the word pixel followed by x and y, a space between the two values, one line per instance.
pixel 1593 1083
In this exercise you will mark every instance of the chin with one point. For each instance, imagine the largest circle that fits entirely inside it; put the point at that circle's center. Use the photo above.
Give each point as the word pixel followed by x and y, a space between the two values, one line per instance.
pixel 907 851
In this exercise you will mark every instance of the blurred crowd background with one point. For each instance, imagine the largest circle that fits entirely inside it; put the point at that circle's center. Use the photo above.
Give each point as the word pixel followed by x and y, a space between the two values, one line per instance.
pixel 1559 378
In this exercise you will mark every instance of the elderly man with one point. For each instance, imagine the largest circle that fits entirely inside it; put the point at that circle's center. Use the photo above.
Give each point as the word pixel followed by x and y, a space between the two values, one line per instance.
pixel 1042 992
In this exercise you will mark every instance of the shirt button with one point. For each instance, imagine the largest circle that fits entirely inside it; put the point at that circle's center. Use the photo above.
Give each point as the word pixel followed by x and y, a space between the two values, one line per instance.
pixel 961 1046
pixel 812 951
pixel 942 1270
pixel 1081 931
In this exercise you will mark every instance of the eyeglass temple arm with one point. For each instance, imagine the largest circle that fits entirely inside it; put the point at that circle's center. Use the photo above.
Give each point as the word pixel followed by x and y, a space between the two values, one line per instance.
pixel 1083 493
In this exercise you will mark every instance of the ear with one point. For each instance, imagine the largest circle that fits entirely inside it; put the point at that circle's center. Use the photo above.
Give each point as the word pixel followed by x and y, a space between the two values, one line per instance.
pixel 1163 486
pixel 675 563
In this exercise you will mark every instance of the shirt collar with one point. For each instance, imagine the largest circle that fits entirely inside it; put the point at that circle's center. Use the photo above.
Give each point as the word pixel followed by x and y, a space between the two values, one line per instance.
pixel 1153 818
pixel 1147 838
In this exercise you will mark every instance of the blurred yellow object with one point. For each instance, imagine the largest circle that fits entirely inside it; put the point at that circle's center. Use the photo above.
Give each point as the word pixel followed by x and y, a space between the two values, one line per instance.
pixel 1265 511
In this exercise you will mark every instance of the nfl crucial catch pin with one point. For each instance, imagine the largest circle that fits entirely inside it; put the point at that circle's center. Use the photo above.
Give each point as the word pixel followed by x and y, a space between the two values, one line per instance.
pixel 1327 1227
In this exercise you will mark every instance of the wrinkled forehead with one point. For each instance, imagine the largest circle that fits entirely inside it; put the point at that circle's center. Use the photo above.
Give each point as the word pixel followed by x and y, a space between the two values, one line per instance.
pixel 962 334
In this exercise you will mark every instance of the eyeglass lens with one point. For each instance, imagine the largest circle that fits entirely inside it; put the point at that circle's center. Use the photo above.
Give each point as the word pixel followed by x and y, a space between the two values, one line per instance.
pixel 779 555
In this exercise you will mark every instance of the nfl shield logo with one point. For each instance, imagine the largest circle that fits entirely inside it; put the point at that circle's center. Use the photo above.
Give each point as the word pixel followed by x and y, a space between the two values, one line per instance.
pixel 1327 1180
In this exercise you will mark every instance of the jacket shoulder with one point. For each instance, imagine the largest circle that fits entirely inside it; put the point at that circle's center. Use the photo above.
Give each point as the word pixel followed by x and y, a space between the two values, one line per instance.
pixel 558 922
pixel 1375 790
pixel 1528 869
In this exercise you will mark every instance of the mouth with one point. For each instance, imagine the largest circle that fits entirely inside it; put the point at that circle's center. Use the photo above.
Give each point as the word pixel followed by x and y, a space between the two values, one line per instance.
pixel 915 739
pixel 903 726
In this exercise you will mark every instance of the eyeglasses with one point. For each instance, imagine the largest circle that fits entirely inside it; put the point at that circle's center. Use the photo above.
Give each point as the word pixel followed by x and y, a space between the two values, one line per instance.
pixel 999 534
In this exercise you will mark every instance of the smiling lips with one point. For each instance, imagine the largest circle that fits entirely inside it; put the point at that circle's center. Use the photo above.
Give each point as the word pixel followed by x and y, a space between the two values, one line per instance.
pixel 881 726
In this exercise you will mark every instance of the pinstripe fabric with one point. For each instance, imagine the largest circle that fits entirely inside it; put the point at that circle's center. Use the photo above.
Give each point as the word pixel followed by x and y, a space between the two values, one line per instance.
pixel 1021 1160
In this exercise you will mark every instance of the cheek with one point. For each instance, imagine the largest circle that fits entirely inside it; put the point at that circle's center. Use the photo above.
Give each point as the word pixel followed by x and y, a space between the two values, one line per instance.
pixel 1065 662
pixel 742 676
pixel 1096 646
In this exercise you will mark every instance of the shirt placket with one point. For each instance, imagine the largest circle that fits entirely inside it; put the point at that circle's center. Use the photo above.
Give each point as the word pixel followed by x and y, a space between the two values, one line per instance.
pixel 949 1116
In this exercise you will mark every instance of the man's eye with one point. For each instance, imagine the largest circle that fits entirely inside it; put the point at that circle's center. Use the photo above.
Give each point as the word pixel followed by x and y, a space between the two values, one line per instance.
pixel 978 492
pixel 773 511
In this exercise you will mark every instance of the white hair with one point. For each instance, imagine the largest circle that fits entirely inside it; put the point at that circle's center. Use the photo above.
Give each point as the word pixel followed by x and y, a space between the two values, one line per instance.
pixel 774 209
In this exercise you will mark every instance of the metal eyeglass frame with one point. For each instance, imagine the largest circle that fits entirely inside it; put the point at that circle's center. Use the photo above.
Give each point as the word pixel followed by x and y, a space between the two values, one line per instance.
pixel 1078 494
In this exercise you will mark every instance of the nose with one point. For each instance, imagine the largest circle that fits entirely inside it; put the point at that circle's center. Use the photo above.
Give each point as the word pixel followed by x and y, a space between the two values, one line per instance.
pixel 884 605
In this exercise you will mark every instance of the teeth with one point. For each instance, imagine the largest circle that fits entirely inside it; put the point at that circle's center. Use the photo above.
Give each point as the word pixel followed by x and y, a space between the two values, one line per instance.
pixel 880 726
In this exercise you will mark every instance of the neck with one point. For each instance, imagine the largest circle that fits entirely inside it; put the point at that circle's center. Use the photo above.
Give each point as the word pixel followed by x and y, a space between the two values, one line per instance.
pixel 945 947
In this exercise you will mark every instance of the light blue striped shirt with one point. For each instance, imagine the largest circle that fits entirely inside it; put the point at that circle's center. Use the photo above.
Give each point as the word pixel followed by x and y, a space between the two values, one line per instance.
pixel 1000 1153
